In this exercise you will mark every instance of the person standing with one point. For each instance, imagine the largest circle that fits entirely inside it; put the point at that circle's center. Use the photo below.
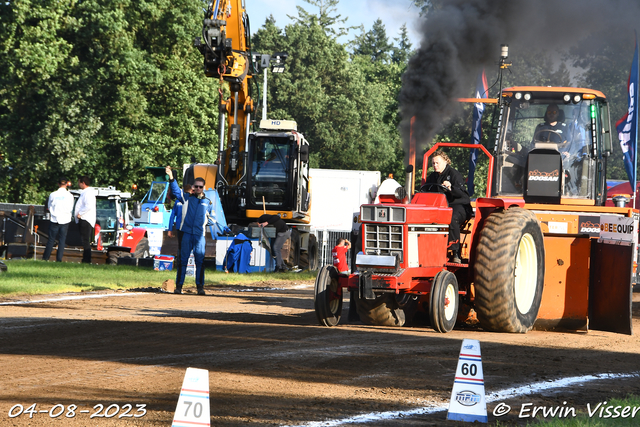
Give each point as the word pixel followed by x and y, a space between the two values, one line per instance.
pixel 197 213
pixel 60 205
pixel 174 223
pixel 339 254
pixel 283 232
pixel 85 215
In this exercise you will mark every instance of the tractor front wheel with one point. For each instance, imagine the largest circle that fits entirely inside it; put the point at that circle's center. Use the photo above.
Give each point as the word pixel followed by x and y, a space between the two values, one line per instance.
pixel 509 271
pixel 327 301
pixel 443 301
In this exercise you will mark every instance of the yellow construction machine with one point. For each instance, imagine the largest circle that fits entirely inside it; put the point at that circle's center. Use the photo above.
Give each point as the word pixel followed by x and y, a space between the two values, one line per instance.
pixel 262 171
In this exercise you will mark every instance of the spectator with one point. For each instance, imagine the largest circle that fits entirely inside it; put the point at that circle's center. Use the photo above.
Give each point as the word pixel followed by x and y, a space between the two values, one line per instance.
pixel 282 234
pixel 339 254
pixel 197 213
pixel 85 215
pixel 61 210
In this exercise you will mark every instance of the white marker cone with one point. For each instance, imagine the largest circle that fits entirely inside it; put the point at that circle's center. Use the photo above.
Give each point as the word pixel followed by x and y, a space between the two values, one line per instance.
pixel 467 397
pixel 193 404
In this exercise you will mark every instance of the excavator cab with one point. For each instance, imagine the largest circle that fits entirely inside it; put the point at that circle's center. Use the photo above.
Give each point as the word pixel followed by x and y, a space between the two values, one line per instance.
pixel 278 172
pixel 270 167
pixel 548 157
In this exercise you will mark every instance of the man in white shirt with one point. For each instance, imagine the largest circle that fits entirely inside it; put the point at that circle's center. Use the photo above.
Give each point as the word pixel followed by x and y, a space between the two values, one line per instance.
pixel 85 215
pixel 60 208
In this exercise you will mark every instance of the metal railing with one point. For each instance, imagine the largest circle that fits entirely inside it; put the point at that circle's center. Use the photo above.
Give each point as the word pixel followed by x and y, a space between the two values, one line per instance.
pixel 327 240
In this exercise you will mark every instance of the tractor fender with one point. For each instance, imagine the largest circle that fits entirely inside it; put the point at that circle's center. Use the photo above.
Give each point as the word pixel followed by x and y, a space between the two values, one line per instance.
pixel 131 238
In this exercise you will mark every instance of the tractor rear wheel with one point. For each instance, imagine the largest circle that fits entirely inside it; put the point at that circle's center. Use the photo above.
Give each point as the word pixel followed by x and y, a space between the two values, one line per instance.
pixel 327 302
pixel 509 271
pixel 382 311
pixel 443 301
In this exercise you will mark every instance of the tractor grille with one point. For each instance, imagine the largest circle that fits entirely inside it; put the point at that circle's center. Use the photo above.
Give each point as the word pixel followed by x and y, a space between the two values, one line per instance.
pixel 383 239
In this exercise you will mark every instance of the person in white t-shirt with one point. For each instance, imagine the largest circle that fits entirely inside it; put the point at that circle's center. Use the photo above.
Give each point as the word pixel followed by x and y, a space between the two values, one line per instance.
pixel 85 215
pixel 60 205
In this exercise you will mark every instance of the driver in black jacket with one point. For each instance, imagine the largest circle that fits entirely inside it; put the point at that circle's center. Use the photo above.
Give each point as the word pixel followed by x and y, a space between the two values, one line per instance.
pixel 457 197
pixel 553 129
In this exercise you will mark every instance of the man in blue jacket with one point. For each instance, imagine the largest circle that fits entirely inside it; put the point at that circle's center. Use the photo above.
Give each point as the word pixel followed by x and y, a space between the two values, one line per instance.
pixel 197 213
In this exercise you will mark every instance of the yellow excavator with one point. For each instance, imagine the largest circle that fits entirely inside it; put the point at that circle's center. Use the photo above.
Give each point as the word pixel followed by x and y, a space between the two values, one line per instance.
pixel 266 171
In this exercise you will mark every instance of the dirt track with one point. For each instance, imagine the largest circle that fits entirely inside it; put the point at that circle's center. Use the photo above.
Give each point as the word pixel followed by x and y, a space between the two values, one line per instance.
pixel 269 364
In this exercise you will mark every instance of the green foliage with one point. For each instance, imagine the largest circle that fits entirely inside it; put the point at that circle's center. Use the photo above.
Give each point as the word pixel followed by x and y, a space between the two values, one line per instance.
pixel 402 52
pixel 324 19
pixel 107 87
pixel 374 43
pixel 346 106
pixel 99 87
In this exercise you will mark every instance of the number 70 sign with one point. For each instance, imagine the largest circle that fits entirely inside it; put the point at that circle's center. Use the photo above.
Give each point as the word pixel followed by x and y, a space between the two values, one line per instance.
pixel 193 404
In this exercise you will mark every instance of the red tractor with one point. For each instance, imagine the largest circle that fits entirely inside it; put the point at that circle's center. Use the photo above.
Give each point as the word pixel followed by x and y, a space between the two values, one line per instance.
pixel 541 247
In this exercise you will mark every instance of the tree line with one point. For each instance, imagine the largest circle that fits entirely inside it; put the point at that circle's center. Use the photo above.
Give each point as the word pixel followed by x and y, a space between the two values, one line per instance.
pixel 106 87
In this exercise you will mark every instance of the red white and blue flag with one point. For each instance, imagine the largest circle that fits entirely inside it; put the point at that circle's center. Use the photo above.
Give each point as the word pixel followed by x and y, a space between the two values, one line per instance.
pixel 627 126
pixel 476 132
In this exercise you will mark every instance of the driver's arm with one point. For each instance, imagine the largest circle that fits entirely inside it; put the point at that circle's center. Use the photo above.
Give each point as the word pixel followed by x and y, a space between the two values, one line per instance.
pixel 457 185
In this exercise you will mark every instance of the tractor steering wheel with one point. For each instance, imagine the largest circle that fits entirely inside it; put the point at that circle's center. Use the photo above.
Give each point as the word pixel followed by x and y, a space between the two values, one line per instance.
pixel 548 135
pixel 429 186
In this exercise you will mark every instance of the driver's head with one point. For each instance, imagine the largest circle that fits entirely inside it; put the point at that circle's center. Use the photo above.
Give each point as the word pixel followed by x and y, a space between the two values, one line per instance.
pixel 440 160
pixel 552 114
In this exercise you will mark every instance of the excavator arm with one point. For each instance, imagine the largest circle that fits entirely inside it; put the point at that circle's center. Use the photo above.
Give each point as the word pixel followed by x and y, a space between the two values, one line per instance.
pixel 225 45
pixel 246 189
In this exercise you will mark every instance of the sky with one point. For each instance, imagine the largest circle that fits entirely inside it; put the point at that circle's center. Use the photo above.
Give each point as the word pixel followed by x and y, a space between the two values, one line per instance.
pixel 393 14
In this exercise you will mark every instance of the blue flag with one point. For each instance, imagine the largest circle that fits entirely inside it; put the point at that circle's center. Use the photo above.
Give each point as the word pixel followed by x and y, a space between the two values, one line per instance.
pixel 627 126
pixel 476 131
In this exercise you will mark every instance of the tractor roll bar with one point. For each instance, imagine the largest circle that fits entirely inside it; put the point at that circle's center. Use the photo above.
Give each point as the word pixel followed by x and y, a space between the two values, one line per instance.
pixel 425 161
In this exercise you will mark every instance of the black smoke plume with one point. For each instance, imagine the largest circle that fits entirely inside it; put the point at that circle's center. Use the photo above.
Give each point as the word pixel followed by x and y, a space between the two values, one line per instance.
pixel 460 37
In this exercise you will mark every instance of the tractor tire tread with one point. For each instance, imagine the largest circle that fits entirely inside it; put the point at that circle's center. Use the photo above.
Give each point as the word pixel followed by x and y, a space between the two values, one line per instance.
pixel 321 298
pixel 382 311
pixel 494 270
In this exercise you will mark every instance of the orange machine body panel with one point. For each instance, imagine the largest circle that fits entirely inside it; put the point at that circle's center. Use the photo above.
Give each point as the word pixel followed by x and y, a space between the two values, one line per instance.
pixel 565 299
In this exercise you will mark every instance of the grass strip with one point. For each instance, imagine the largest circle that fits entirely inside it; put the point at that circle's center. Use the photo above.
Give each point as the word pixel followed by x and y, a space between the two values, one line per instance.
pixel 29 277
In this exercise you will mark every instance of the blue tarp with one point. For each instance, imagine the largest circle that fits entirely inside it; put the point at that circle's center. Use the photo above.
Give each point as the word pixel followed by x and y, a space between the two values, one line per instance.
pixel 239 255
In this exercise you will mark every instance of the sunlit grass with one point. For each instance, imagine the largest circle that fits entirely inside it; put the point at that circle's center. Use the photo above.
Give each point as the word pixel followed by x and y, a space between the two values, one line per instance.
pixel 28 277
